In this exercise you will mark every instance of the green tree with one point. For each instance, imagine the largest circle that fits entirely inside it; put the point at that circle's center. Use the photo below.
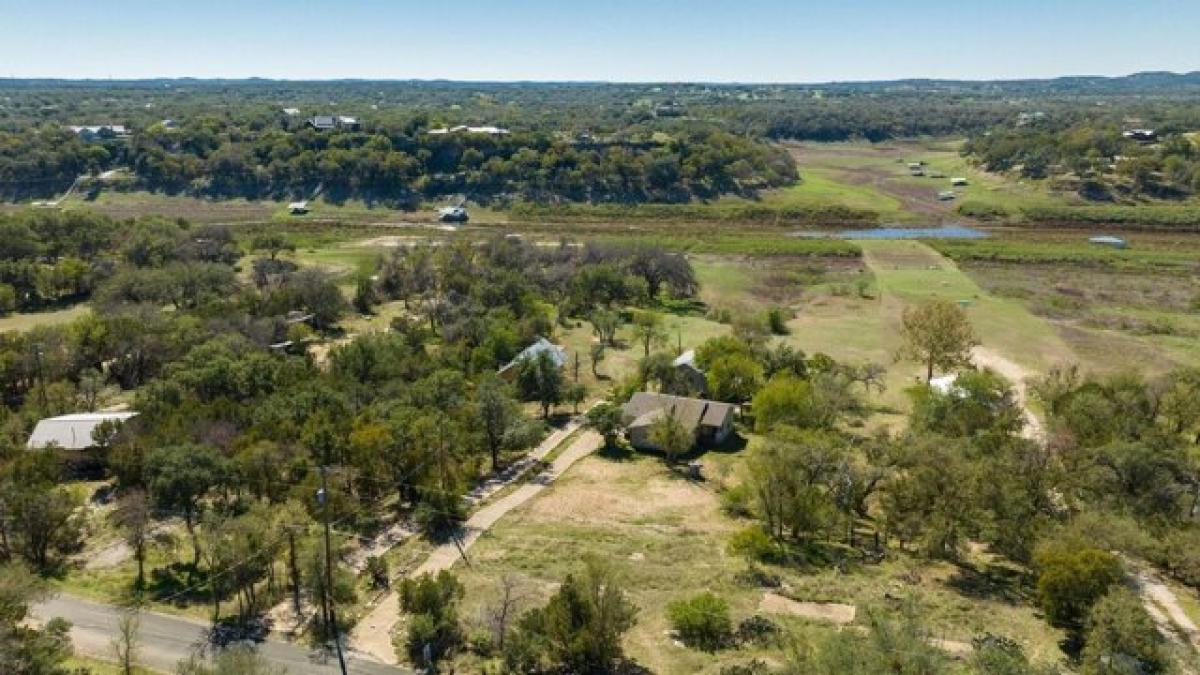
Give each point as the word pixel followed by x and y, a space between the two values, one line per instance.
pixel 498 416
pixel 39 521
pixel 791 477
pixel 366 296
pixel 930 498
pixel 605 324
pixel 272 243
pixel 671 438
pixel 938 335
pixel 8 299
pixel 576 394
pixel 540 379
pixel 648 329
pixel 597 353
pixel 785 400
pixel 132 516
pixel 1121 637
pixel 1072 577
pixel 179 477
pixel 25 650
pixel 606 419
pixel 580 628
pixel 735 378
pixel 433 630
pixel 980 402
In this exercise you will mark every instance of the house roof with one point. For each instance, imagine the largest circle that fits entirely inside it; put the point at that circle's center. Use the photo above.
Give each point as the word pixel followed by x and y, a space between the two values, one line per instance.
pixel 462 128
pixel 72 432
pixel 644 408
pixel 94 129
pixel 557 354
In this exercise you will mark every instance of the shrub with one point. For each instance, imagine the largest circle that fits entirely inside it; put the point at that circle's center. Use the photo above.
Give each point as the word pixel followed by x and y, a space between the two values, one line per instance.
pixel 982 210
pixel 702 621
pixel 377 569
pixel 1121 637
pixel 757 630
pixel 735 501
pixel 755 667
pixel 777 318
pixel 1071 578
pixel 752 543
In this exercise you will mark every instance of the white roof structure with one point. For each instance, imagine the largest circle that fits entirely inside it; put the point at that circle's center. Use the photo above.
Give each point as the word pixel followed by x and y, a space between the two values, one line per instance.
pixel 946 385
pixel 557 354
pixel 687 358
pixel 72 432
pixel 95 129
pixel 489 130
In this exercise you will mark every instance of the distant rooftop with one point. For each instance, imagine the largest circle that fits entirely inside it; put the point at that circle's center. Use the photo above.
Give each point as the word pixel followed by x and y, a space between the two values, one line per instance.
pixel 463 129
pixel 72 432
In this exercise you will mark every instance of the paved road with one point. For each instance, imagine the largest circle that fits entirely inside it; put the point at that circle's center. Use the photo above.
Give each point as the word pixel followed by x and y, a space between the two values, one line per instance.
pixel 372 634
pixel 166 640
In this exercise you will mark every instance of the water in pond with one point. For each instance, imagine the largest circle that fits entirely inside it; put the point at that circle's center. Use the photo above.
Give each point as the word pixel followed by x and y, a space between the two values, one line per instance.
pixel 946 232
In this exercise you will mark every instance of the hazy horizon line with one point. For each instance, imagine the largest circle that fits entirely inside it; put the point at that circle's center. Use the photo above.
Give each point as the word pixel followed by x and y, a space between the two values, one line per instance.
pixel 518 81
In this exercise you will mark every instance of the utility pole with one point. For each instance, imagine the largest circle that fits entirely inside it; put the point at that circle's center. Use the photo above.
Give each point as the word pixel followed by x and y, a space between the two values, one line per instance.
pixel 323 499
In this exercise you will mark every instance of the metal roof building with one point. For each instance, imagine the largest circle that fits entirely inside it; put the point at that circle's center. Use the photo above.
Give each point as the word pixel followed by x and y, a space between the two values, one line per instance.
pixel 557 354
pixel 72 432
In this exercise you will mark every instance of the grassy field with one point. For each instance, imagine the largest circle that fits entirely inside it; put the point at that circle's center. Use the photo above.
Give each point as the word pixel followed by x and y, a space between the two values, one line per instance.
pixel 134 204
pixel 1116 309
pixel 909 272
pixel 29 320
pixel 666 536
pixel 882 169
pixel 95 666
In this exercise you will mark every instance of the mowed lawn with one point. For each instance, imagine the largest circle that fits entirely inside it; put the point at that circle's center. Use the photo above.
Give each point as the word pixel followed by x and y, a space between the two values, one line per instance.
pixel 909 272
pixel 825 186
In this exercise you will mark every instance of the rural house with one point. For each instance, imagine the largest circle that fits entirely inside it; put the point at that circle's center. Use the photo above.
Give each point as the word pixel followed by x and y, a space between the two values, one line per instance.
pixel 72 432
pixel 689 373
pixel 464 129
pixel 1141 135
pixel 100 131
pixel 710 422
pixel 557 354
pixel 331 122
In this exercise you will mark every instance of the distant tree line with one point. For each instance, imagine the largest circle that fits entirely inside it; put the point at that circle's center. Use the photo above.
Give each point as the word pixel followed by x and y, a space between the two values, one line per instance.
pixel 401 165
pixel 1092 155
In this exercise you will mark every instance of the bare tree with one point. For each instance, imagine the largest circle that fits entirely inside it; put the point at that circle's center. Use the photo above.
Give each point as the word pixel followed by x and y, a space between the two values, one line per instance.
pixel 506 608
pixel 132 515
pixel 126 643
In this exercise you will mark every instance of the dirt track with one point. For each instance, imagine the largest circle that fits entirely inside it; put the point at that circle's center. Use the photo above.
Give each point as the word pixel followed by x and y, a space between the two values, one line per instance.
pixel 1018 375
pixel 373 634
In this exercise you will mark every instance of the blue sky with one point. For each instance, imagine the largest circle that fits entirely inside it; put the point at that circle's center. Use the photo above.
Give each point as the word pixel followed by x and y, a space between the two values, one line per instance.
pixel 626 40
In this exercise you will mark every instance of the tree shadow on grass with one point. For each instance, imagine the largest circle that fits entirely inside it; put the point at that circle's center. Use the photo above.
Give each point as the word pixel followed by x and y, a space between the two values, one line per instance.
pixel 617 452
pixel 181 584
pixel 992 581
